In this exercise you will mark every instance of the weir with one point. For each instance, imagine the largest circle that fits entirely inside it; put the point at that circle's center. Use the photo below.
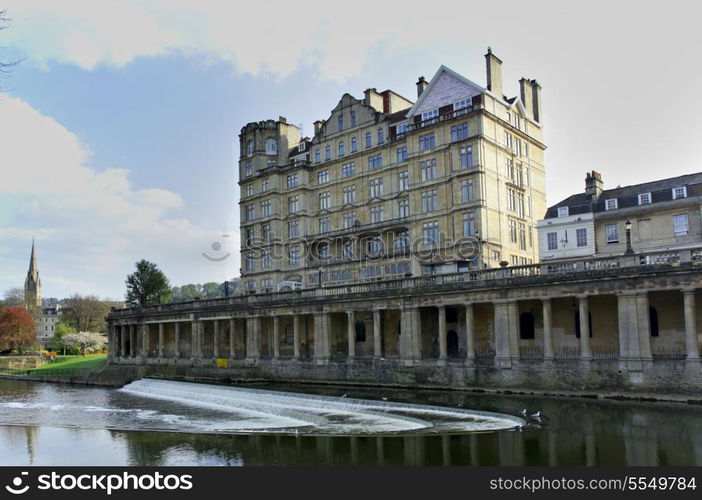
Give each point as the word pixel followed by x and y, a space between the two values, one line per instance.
pixel 254 410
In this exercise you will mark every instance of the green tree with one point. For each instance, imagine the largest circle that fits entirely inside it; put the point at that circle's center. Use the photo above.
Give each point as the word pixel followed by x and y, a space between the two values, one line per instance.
pixel 147 285
pixel 59 332
pixel 211 290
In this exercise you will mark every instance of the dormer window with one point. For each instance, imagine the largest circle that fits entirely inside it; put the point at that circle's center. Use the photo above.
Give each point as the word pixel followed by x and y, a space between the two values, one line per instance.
pixel 430 115
pixel 401 129
pixel 271 147
pixel 302 146
pixel 644 198
pixel 562 211
pixel 679 192
pixel 611 204
pixel 462 104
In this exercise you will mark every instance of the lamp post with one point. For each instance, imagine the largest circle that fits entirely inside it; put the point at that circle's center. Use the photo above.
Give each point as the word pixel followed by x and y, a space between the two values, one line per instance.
pixel 629 249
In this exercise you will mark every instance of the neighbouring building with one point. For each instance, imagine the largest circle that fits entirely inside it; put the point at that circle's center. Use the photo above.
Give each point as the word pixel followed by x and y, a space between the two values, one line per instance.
pixel 660 216
pixel 388 187
pixel 46 323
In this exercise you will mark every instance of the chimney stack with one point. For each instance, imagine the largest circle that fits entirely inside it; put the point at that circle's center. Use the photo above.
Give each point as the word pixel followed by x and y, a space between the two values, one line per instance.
pixel 527 96
pixel 318 126
pixel 372 98
pixel 593 185
pixel 421 85
pixel 536 93
pixel 494 73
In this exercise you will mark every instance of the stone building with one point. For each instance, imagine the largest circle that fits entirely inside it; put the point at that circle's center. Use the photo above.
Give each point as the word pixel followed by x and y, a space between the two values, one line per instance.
pixel 660 216
pixel 388 188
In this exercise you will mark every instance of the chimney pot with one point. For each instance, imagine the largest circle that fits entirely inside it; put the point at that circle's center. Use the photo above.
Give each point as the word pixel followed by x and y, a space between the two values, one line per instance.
pixel 421 85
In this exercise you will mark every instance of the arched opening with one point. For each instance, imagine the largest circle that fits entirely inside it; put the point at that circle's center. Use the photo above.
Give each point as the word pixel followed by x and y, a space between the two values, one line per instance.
pixel 526 326
pixel 360 331
pixel 577 323
pixel 653 321
pixel 452 344
pixel 289 334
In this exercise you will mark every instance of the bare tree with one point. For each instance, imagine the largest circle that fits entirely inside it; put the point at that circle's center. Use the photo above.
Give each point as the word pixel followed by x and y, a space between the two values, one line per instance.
pixel 13 297
pixel 85 313
pixel 5 67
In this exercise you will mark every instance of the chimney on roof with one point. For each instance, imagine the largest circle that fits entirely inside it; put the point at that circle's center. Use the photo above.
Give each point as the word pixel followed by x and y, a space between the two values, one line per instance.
pixel 282 119
pixel 372 98
pixel 526 92
pixel 494 73
pixel 536 93
pixel 318 126
pixel 421 85
pixel 593 185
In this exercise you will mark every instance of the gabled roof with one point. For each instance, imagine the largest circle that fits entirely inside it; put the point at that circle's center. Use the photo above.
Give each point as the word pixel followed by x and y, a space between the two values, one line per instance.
pixel 442 69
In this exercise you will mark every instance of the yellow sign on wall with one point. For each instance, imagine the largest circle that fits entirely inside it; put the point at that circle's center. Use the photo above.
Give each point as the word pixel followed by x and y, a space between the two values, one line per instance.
pixel 222 362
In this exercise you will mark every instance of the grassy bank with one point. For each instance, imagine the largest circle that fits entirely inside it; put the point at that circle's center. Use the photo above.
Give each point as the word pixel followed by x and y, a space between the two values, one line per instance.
pixel 87 363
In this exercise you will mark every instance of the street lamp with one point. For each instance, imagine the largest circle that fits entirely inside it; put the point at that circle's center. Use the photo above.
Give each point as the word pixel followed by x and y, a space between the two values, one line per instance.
pixel 629 250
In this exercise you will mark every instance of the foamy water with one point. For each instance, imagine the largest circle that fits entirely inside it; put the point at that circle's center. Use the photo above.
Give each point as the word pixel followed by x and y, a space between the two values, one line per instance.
pixel 254 410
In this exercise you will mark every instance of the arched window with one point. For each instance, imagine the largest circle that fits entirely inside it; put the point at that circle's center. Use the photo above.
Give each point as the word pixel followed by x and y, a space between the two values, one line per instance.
pixel 360 331
pixel 526 326
pixel 653 321
pixel 249 148
pixel 271 147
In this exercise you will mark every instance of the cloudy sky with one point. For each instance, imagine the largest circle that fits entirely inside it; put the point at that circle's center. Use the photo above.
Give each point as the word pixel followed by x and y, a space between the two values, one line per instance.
pixel 118 129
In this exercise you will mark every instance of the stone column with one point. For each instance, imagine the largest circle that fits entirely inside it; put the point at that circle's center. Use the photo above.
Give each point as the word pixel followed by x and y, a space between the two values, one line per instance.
pixel 470 335
pixel 253 339
pixel 232 338
pixel 176 350
pixel 195 336
pixel 644 323
pixel 321 338
pixel 585 351
pixel 503 356
pixel 351 334
pixel 133 341
pixel 296 336
pixel 410 329
pixel 377 334
pixel 215 339
pixel 514 329
pixel 160 340
pixel 123 332
pixel 276 337
pixel 692 346
pixel 443 354
pixel 548 329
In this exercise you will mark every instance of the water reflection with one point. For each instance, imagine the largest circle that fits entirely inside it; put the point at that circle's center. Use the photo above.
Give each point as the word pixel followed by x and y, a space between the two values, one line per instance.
pixel 573 432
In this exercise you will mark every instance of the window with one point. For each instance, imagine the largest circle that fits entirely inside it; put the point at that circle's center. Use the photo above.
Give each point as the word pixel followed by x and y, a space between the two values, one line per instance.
pixel 349 219
pixel 266 232
pixel 611 204
pixel 249 148
pixel 323 251
pixel 402 154
pixel 248 170
pixel 430 201
pixel 327 152
pixel 349 194
pixel 518 147
pixel 612 232
pixel 353 118
pixel 562 211
pixel 430 232
pixel 520 204
pixel 495 255
pixel 466 157
pixel 348 169
pixel 374 246
pixel 324 200
pixel 467 193
pixel 527 208
pixel 527 176
pixel 514 260
pixel 508 140
pixel 347 250
pixel 428 170
pixel 403 181
pixel 293 205
pixel 403 208
pixel 249 236
pixel 376 187
pixel 294 255
pixel 293 229
pixel 302 146
pixel 249 262
pixel 271 147
pixel 340 123
pixel 429 117
pixel 426 141
pixel 511 203
pixel 375 161
pixel 292 180
pixel 265 185
pixel 250 285
pixel 249 190
pixel 368 139
pixel 462 104
pixel 266 208
pixel 317 155
pixel 324 225
pixel 401 241
pixel 381 136
pixel 354 145
pixel 679 192
pixel 459 132
pixel 644 198
pixel 513 231
pixel 469 224
pixel 377 214
pixel 522 236
pixel 581 237
pixel 266 258
pixel 323 177
pixel 680 224
pixel 341 148
pixel 401 129
pixel 509 169
pixel 250 212
pixel 552 241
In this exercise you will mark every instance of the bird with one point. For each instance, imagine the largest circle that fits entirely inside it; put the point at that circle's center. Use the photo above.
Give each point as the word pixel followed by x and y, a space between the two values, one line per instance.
pixel 523 413
pixel 536 415
pixel 384 398
pixel 460 405
pixel 343 396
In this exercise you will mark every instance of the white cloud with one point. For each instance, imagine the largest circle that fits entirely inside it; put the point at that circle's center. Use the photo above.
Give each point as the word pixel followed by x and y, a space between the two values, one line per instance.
pixel 96 221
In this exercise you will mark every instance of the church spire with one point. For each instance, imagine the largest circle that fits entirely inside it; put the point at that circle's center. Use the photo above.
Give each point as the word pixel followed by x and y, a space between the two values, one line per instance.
pixel 32 285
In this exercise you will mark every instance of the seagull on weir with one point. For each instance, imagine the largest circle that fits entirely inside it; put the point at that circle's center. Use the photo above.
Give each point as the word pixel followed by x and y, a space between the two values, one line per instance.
pixel 537 415
pixel 384 398
pixel 523 413
pixel 343 396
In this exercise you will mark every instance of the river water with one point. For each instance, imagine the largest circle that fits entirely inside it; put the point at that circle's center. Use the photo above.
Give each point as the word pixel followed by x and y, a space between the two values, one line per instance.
pixel 170 423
